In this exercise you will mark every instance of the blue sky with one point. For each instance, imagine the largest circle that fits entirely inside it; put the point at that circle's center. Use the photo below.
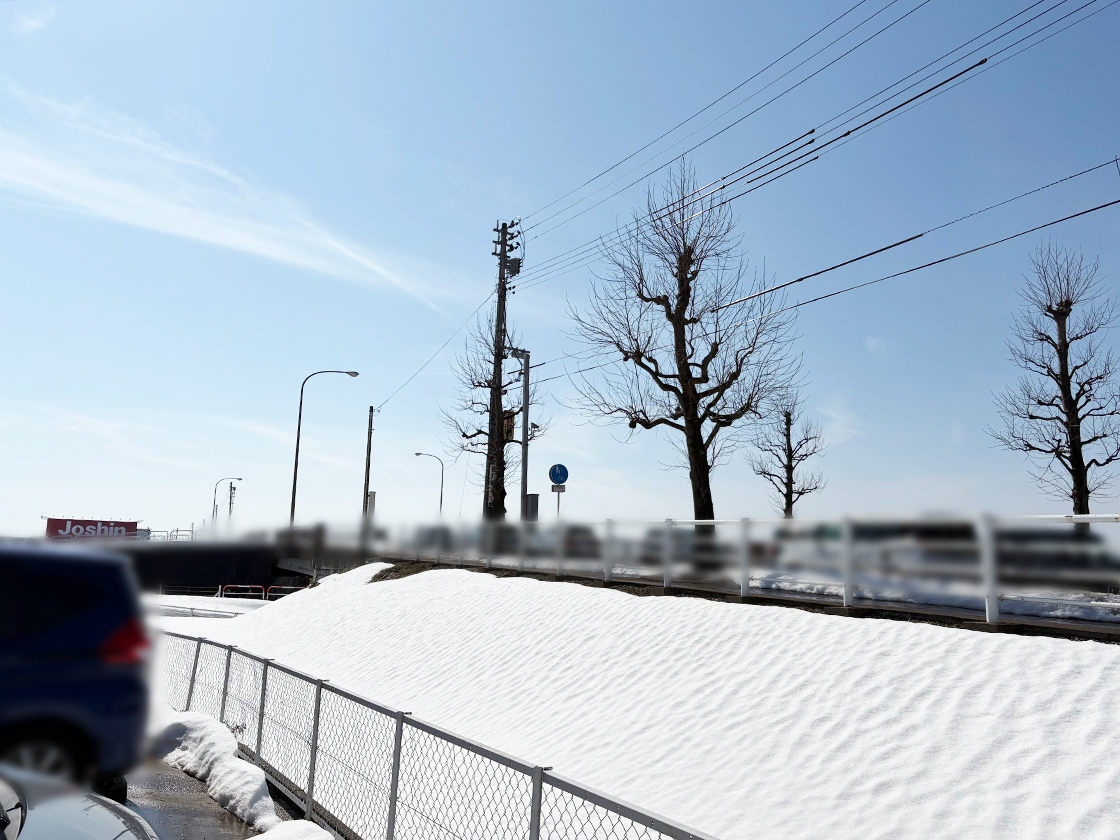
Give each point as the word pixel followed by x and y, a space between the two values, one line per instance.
pixel 200 203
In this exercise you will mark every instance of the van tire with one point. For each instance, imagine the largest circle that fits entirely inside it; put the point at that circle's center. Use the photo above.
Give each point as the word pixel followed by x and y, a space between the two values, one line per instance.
pixel 51 749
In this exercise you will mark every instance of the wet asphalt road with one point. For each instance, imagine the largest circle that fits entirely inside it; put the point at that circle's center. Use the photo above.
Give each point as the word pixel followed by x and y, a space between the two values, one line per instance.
pixel 178 807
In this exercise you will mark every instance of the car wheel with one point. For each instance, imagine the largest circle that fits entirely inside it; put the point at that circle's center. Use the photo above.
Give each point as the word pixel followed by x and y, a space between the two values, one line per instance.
pixel 48 750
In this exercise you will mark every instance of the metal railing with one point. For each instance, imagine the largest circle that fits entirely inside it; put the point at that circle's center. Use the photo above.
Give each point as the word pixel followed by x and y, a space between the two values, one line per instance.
pixel 366 772
pixel 864 570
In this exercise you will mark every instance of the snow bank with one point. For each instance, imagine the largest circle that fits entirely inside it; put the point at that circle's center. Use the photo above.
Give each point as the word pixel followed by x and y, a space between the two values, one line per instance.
pixel 200 746
pixel 201 625
pixel 740 720
pixel 188 605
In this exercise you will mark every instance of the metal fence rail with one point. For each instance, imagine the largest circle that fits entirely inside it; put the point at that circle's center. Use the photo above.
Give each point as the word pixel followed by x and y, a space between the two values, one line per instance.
pixel 367 772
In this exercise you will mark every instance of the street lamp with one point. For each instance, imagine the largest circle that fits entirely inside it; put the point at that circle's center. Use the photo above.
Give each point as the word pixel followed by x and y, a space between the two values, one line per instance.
pixel 299 424
pixel 214 510
pixel 418 454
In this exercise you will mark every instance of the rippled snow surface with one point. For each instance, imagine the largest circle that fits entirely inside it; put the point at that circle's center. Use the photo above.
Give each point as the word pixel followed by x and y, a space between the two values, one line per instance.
pixel 743 721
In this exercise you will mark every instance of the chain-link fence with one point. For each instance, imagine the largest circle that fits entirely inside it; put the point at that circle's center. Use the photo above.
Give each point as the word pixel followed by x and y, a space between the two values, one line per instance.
pixel 366 772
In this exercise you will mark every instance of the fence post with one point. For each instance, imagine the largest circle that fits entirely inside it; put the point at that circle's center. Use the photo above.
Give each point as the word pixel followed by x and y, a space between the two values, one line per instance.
pixel 667 555
pixel 535 813
pixel 847 560
pixel 391 821
pixel 986 539
pixel 194 670
pixel 260 713
pixel 225 686
pixel 745 559
pixel 309 797
pixel 608 553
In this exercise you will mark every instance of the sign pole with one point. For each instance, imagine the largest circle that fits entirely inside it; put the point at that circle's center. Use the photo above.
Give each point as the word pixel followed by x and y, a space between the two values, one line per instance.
pixel 558 474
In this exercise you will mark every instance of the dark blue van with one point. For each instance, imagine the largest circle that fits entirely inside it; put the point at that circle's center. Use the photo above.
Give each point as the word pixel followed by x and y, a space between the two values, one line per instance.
pixel 73 665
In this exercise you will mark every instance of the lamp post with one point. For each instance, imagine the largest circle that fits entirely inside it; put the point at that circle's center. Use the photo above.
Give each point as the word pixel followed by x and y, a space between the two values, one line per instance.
pixel 418 454
pixel 214 509
pixel 299 425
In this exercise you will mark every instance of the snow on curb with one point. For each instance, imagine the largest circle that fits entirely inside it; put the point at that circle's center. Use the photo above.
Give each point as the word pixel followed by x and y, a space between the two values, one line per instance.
pixel 201 747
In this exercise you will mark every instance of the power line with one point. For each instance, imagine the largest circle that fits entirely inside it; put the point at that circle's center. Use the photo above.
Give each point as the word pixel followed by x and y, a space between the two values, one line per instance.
pixel 593 244
pixel 953 257
pixel 807 78
pixel 725 128
pixel 1017 52
pixel 440 350
pixel 678 206
pixel 698 113
pixel 916 236
pixel 899 273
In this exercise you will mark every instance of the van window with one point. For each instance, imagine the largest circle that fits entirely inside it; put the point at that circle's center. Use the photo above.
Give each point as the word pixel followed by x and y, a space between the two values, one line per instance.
pixel 35 600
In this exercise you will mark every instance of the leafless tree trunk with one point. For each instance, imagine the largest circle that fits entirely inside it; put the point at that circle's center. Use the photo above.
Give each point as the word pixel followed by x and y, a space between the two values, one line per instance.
pixel 1063 412
pixel 784 444
pixel 467 420
pixel 675 358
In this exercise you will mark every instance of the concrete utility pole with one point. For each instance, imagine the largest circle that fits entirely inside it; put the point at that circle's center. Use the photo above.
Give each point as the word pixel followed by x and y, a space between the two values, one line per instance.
pixel 363 535
pixel 494 500
pixel 214 509
pixel 369 449
pixel 523 355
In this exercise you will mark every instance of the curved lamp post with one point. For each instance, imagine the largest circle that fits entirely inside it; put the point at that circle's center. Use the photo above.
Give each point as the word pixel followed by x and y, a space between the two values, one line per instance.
pixel 214 509
pixel 418 454
pixel 299 424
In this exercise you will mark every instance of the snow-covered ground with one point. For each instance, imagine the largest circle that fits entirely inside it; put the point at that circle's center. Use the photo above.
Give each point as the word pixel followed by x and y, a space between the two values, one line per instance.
pixel 743 721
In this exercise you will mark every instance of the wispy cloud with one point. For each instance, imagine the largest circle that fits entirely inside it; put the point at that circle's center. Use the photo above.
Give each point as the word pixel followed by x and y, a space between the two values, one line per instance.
pixel 88 159
pixel 841 424
pixel 25 23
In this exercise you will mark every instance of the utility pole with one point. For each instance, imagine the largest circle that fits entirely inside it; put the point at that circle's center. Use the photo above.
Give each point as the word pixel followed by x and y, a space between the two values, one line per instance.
pixel 494 500
pixel 523 355
pixel 363 538
pixel 369 449
pixel 232 490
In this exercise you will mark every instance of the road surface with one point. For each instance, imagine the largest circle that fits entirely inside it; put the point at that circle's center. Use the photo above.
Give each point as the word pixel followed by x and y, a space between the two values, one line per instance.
pixel 178 807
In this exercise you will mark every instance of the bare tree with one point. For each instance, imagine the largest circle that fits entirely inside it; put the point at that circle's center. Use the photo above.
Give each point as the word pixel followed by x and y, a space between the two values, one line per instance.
pixel 1064 412
pixel 677 357
pixel 785 442
pixel 467 420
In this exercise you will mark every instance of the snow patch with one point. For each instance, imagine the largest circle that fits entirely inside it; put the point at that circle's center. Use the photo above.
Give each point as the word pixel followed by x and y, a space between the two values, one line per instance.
pixel 204 748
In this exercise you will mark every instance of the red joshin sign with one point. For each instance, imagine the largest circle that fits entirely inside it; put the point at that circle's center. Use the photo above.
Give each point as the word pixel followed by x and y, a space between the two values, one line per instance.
pixel 72 529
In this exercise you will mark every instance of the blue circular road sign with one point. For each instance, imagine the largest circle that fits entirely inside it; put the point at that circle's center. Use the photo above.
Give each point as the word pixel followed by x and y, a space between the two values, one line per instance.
pixel 558 473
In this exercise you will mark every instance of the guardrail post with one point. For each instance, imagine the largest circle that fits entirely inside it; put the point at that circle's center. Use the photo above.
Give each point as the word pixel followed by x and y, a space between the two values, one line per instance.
pixel 535 813
pixel 309 797
pixel 667 556
pixel 225 686
pixel 391 821
pixel 522 545
pixel 745 559
pixel 194 670
pixel 985 535
pixel 847 560
pixel 608 553
pixel 260 713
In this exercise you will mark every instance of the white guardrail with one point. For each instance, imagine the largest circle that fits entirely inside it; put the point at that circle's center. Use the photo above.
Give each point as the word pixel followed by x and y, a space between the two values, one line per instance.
pixel 614 551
